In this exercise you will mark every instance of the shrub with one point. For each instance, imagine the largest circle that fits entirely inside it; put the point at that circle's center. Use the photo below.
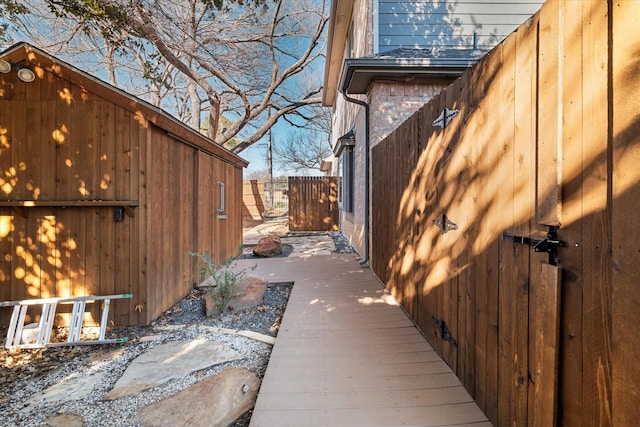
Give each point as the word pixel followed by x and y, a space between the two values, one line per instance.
pixel 225 279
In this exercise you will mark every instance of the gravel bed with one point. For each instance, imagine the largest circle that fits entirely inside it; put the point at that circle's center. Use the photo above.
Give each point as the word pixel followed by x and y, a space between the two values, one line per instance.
pixel 29 372
pixel 341 243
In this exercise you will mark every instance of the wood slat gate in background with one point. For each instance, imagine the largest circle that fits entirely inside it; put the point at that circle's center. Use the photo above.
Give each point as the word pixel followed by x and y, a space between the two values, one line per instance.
pixel 313 203
pixel 538 142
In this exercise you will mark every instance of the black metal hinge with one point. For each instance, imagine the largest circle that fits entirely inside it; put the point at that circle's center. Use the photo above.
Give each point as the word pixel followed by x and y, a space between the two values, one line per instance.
pixel 549 245
pixel 445 224
pixel 445 118
pixel 445 333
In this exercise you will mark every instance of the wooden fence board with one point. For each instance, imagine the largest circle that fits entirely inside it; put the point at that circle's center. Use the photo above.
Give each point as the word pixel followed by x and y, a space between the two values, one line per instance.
pixel 545 337
pixel 465 153
pixel 404 212
pixel 524 194
pixel 570 105
pixel 549 133
pixel 512 407
pixel 597 374
pixel 482 288
pixel 378 252
pixel 388 220
pixel 429 239
pixel 625 150
pixel 424 192
pixel 453 163
pixel 313 203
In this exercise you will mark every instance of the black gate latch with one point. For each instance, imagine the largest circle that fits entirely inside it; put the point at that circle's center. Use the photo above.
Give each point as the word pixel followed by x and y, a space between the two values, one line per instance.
pixel 549 245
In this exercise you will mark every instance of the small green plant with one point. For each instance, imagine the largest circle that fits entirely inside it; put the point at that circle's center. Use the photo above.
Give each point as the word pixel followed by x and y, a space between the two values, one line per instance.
pixel 225 279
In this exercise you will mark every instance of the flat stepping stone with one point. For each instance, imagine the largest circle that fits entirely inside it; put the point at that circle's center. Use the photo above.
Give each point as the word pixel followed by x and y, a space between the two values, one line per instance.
pixel 223 397
pixel 169 361
pixel 75 388
pixel 65 420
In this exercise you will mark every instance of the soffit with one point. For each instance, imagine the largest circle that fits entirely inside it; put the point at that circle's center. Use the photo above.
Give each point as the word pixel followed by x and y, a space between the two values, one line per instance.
pixel 339 21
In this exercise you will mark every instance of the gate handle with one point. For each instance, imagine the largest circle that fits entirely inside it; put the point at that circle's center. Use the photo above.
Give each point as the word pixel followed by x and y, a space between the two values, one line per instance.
pixel 549 245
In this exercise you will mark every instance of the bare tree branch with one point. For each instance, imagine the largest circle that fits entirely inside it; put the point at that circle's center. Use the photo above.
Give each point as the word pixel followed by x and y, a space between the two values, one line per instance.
pixel 230 59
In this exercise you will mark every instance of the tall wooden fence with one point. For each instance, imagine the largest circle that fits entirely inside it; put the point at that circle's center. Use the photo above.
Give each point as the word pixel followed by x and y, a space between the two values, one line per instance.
pixel 263 199
pixel 546 140
pixel 313 203
pixel 253 207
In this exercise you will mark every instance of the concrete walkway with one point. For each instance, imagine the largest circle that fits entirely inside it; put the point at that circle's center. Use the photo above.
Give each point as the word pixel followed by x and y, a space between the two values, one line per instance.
pixel 348 355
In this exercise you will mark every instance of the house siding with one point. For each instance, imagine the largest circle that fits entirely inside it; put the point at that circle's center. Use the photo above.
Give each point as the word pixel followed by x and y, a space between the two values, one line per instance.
pixel 347 116
pixel 448 24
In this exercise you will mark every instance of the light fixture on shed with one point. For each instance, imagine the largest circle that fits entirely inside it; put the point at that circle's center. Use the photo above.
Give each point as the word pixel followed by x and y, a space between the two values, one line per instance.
pixel 118 213
pixel 5 66
pixel 25 73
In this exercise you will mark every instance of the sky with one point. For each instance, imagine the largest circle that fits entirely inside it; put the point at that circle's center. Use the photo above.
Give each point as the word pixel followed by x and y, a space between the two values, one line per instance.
pixel 256 154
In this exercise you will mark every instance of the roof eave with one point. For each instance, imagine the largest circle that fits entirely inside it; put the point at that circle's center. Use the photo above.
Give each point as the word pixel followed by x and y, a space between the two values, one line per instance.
pixel 339 21
pixel 358 73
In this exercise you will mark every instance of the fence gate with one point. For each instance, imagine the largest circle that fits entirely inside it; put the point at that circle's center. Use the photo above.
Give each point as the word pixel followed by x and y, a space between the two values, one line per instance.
pixel 313 203
pixel 509 234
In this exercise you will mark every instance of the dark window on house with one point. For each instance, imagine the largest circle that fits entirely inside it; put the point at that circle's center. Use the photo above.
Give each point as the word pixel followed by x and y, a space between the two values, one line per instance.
pixel 345 176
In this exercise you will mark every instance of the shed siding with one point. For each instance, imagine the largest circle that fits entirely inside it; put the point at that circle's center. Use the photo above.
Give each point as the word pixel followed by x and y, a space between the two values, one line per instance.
pixel 169 214
pixel 62 143
pixel 79 150
pixel 451 24
pixel 219 234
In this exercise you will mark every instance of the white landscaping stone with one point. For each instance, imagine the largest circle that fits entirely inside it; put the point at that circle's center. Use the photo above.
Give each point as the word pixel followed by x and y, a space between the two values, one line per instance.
pixel 29 333
pixel 65 420
pixel 74 388
pixel 169 361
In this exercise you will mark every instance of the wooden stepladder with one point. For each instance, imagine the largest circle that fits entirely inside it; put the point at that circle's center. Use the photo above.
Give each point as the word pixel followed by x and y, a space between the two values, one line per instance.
pixel 47 316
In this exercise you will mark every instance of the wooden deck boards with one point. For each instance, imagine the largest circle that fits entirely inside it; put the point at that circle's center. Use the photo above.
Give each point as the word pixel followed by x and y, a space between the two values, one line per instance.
pixel 347 355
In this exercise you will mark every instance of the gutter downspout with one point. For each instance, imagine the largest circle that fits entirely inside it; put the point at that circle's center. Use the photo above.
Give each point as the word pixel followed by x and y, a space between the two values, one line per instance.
pixel 365 258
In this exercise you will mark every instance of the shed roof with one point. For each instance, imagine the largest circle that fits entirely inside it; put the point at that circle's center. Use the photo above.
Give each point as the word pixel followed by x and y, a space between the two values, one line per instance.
pixel 27 54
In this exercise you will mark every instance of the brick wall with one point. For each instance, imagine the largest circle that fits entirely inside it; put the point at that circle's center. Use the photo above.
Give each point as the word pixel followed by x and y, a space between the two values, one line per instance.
pixel 391 103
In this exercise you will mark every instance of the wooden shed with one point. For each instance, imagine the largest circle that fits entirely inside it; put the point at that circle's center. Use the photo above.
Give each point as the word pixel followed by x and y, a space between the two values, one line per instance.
pixel 102 193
